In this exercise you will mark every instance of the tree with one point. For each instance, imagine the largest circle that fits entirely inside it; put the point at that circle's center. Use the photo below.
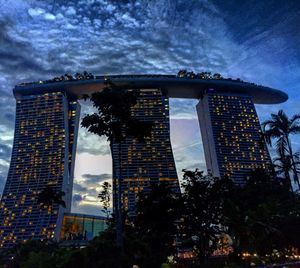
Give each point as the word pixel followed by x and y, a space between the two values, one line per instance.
pixel 204 197
pixel 155 225
pixel 283 165
pixel 105 196
pixel 33 253
pixel 182 73
pixel 217 76
pixel 256 214
pixel 113 119
pixel 280 127
pixel 49 196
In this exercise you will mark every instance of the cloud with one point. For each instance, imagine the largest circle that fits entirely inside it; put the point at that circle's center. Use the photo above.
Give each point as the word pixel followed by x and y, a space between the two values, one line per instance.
pixel 79 188
pixel 183 109
pixel 88 142
pixel 34 12
pixel 49 16
pixel 15 8
pixel 96 179
pixel 93 182
pixel 77 199
pixel 4 165
pixel 86 190
pixel 70 11
pixel 92 144
pixel 5 151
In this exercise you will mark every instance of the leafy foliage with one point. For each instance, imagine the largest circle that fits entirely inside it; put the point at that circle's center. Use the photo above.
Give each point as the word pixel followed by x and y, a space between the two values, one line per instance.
pixel 49 196
pixel 256 215
pixel 155 223
pixel 105 197
pixel 204 197
pixel 113 118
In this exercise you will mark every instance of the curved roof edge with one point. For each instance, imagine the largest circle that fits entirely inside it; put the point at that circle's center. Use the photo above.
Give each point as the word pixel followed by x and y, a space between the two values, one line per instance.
pixel 175 87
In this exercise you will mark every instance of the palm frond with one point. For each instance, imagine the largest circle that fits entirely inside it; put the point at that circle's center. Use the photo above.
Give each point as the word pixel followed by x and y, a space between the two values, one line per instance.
pixel 295 129
pixel 282 146
pixel 295 118
pixel 267 123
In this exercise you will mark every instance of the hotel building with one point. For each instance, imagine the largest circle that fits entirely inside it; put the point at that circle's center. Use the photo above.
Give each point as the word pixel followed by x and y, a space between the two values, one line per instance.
pixel 43 156
pixel 144 164
pixel 231 135
pixel 46 126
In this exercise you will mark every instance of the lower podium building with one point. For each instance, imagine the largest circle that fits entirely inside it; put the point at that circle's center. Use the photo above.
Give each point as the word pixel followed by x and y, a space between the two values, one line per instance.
pixel 77 229
pixel 44 148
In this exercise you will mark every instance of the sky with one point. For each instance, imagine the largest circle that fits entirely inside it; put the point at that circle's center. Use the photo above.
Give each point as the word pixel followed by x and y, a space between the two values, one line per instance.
pixel 257 41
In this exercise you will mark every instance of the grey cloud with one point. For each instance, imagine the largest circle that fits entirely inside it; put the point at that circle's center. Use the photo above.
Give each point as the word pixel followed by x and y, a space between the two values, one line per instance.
pixel 7 108
pixel 91 150
pixel 79 188
pixel 96 179
pixel 85 189
pixel 16 55
pixel 92 144
pixel 3 176
pixel 76 199
pixel 88 142
pixel 5 152
pixel 183 109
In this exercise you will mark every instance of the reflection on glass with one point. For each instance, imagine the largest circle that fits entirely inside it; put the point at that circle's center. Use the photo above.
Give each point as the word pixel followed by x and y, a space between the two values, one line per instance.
pixel 82 227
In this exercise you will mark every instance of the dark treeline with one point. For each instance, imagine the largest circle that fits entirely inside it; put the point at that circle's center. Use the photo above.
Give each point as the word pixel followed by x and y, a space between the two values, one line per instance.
pixel 256 223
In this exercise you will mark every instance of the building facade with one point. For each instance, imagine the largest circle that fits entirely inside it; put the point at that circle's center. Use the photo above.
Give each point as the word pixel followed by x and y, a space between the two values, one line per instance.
pixel 43 156
pixel 148 163
pixel 47 120
pixel 231 135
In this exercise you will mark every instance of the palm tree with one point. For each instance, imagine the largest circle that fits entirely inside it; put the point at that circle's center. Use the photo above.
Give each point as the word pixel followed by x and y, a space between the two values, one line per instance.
pixel 280 127
pixel 115 121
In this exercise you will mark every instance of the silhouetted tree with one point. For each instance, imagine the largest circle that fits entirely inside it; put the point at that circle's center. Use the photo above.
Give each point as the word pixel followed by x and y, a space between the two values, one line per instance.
pixel 114 120
pixel 155 224
pixel 204 197
pixel 256 214
pixel 217 76
pixel 182 73
pixel 283 164
pixel 48 196
pixel 105 197
pixel 280 127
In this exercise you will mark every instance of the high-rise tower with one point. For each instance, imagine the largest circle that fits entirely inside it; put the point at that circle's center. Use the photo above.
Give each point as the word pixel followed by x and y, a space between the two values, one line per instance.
pixel 43 155
pixel 47 118
pixel 148 163
pixel 231 135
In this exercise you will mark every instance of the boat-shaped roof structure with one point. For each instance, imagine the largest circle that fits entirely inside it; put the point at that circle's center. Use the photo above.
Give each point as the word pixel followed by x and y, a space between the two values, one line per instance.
pixel 172 85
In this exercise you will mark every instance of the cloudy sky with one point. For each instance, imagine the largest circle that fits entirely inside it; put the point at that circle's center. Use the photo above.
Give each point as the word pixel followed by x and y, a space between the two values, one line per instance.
pixel 257 41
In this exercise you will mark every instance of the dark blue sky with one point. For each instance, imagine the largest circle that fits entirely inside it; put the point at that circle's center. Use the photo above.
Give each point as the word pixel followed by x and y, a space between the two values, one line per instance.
pixel 257 41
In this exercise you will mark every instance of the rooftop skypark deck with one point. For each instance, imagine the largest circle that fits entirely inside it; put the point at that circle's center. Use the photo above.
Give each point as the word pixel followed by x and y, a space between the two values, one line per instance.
pixel 176 86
